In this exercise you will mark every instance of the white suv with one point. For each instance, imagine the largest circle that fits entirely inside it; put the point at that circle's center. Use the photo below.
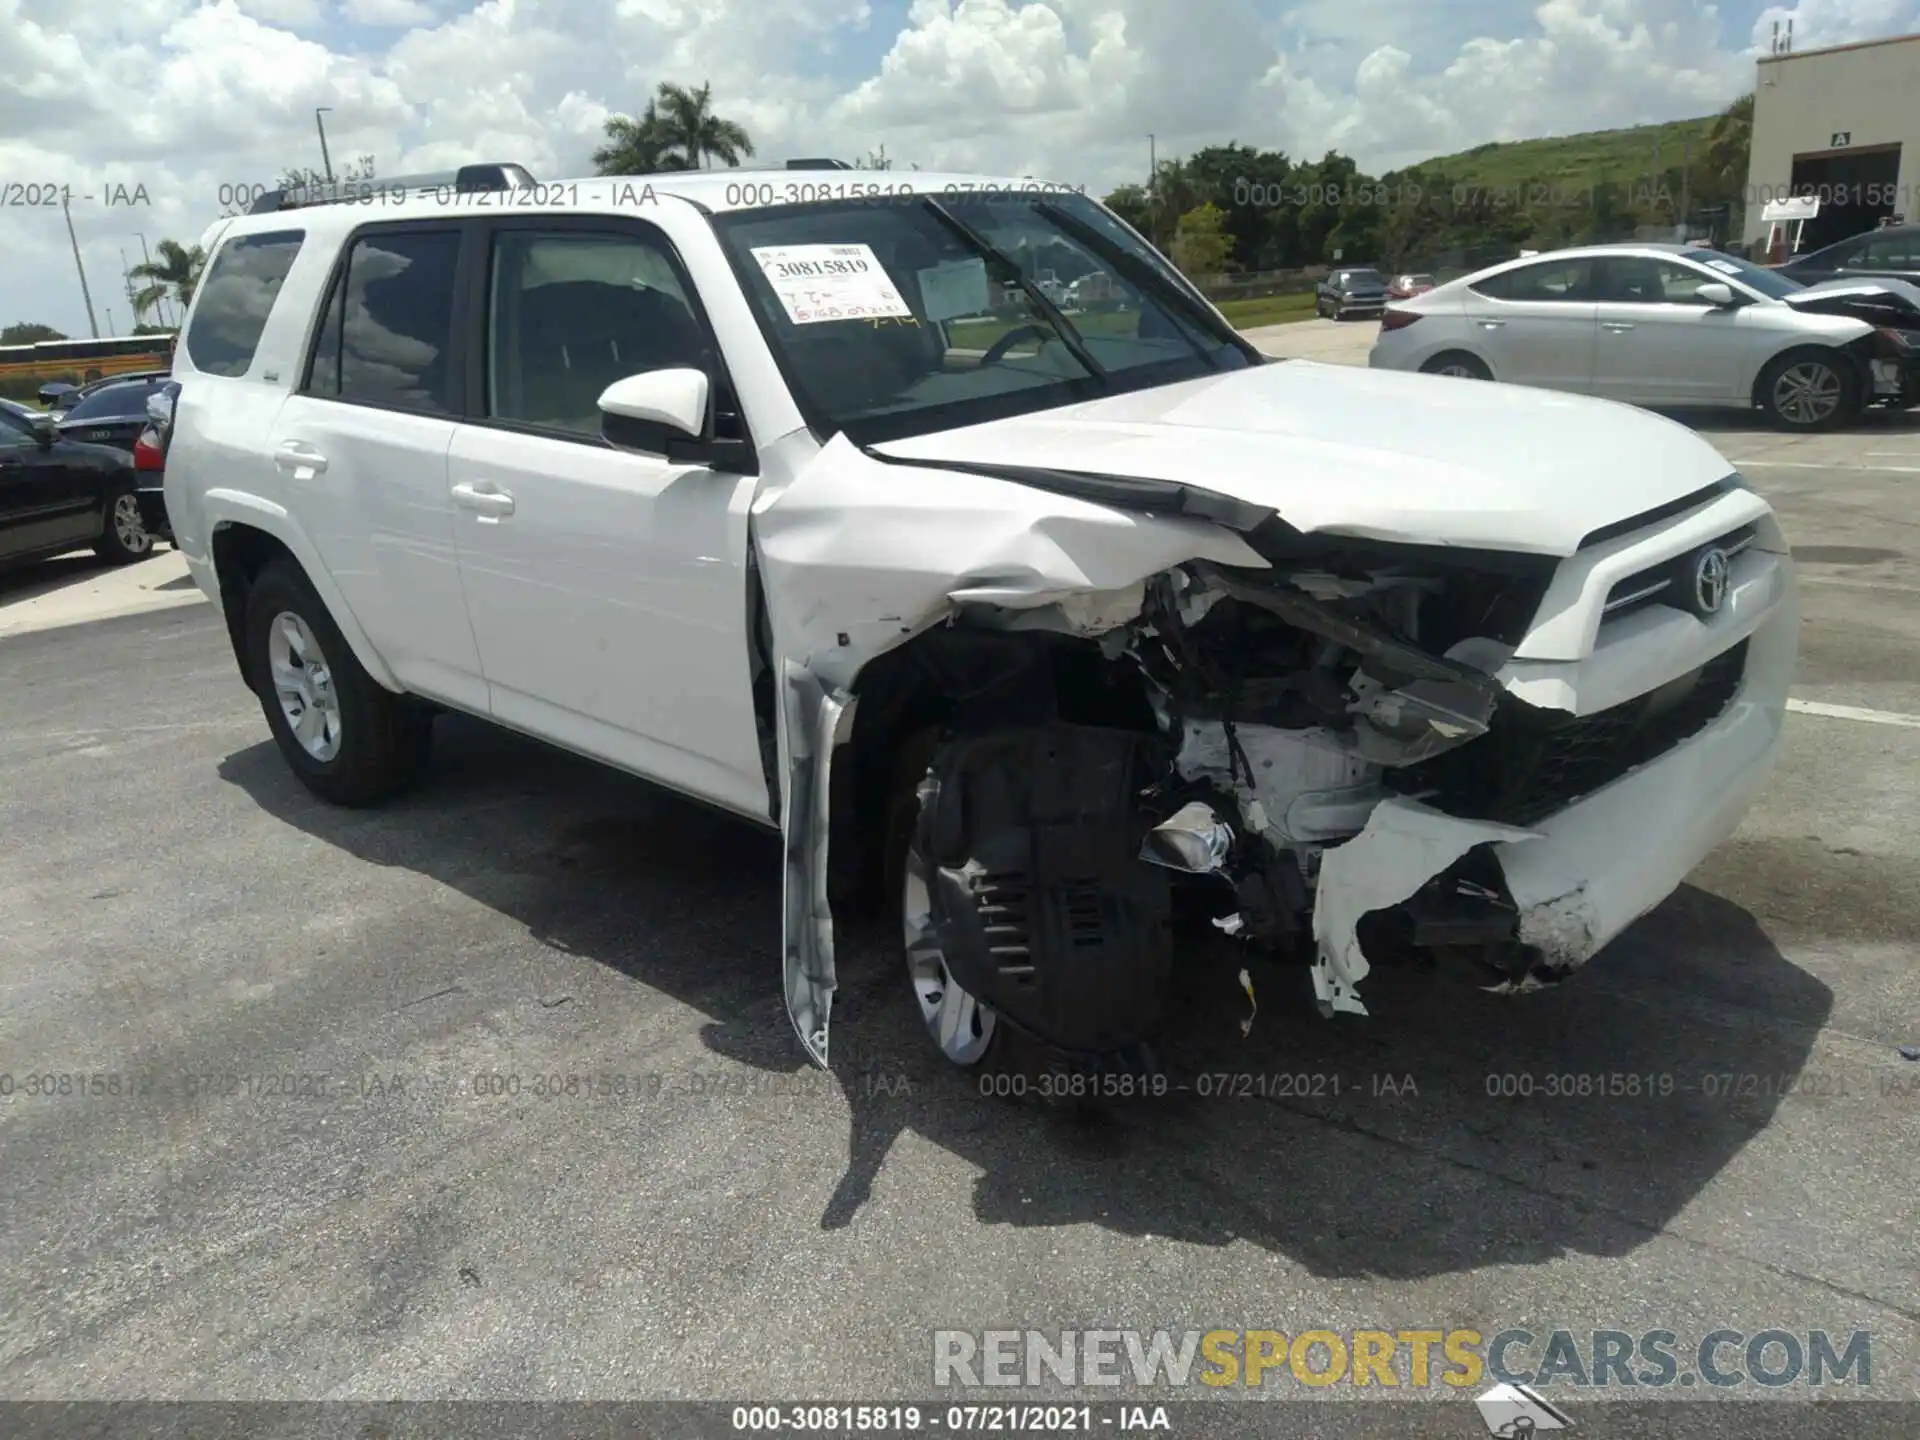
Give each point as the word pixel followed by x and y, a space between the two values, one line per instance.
pixel 758 486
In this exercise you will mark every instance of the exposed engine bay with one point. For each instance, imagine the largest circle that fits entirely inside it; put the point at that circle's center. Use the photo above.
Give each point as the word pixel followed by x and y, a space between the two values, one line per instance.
pixel 1328 760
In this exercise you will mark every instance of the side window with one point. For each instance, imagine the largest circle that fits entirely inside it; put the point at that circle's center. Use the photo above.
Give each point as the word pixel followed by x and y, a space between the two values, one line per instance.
pixel 16 432
pixel 1563 280
pixel 1849 257
pixel 1643 280
pixel 235 299
pixel 1894 252
pixel 386 331
pixel 570 312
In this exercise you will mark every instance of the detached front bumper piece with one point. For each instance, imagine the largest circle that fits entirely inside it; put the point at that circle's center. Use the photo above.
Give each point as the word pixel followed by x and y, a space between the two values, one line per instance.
pixel 1577 877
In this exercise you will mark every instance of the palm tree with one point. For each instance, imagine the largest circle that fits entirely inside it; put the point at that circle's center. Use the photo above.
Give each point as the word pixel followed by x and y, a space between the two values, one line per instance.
pixel 687 123
pixel 173 274
pixel 635 147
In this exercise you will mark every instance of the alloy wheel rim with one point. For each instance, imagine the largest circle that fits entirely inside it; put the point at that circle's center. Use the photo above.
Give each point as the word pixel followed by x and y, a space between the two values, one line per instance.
pixel 1458 370
pixel 303 684
pixel 961 1025
pixel 1807 393
pixel 128 528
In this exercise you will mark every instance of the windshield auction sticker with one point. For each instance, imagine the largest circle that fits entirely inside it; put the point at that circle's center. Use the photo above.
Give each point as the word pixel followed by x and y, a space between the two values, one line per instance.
pixel 829 282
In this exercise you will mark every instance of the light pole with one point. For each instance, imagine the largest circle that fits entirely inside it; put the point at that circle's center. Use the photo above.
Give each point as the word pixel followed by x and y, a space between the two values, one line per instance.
pixel 92 324
pixel 321 126
pixel 1153 189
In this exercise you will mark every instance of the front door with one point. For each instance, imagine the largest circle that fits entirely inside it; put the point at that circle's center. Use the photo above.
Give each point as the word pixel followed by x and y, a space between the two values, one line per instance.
pixel 1659 343
pixel 47 499
pixel 607 588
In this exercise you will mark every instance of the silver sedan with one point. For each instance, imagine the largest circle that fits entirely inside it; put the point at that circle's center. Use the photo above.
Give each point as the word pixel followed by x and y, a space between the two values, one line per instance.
pixel 1651 325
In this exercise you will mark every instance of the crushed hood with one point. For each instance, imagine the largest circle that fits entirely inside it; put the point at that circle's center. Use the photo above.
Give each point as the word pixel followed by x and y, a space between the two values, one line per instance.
pixel 1876 301
pixel 1376 454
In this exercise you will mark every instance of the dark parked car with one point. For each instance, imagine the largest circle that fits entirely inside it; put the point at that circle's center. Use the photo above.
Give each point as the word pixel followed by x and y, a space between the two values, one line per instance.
pixel 1892 253
pixel 150 461
pixel 1354 290
pixel 59 494
pixel 111 414
pixel 59 397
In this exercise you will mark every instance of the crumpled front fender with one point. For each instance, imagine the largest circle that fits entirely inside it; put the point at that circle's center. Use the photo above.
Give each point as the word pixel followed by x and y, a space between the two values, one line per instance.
pixel 816 721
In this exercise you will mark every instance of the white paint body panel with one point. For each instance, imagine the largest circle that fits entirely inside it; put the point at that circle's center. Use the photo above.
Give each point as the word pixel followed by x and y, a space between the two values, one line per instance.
pixel 1337 450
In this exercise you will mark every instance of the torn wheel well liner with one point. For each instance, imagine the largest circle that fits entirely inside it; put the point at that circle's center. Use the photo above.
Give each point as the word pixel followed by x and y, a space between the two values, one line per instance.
pixel 959 677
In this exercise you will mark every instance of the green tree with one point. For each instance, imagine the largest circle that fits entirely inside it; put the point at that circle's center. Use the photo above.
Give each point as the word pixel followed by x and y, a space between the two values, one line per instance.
pixel 28 332
pixel 687 121
pixel 1201 244
pixel 1729 143
pixel 173 274
pixel 636 147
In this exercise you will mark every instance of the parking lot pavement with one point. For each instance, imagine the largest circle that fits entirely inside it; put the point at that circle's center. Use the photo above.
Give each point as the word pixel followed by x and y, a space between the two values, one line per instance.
pixel 352 1153
pixel 1337 342
pixel 73 589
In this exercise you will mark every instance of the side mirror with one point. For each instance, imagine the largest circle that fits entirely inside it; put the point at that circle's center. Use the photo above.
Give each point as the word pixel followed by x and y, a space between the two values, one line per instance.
pixel 633 410
pixel 45 434
pixel 160 406
pixel 1716 293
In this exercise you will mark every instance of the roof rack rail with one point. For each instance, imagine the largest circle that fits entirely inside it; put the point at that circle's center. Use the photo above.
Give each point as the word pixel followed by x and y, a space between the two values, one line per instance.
pixel 818 164
pixel 468 179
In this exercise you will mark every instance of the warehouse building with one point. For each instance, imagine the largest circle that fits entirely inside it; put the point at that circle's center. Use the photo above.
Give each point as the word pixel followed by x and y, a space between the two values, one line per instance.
pixel 1841 125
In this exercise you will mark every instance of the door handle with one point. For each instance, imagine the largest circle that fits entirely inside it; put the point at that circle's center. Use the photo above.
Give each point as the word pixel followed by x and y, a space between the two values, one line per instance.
pixel 1491 324
pixel 484 498
pixel 1618 327
pixel 297 455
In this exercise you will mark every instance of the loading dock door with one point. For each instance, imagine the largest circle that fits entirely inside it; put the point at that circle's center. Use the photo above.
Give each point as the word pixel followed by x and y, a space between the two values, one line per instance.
pixel 1855 188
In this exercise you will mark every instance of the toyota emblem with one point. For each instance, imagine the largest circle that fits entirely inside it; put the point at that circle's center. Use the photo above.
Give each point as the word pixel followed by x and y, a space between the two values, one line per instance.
pixel 1710 574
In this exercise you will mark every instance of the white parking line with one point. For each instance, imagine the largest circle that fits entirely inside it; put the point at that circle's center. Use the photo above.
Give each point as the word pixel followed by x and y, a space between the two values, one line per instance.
pixel 1814 465
pixel 1854 712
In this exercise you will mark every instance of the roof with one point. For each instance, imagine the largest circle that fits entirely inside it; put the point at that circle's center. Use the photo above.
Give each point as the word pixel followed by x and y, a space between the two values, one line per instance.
pixel 1836 49
pixel 716 191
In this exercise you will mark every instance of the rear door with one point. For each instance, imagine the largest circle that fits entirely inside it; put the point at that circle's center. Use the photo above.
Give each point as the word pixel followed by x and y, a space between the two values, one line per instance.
pixel 361 446
pixel 49 497
pixel 1535 325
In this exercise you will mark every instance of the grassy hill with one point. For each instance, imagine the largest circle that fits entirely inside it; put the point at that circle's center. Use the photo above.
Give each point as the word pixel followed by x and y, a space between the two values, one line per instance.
pixel 1576 161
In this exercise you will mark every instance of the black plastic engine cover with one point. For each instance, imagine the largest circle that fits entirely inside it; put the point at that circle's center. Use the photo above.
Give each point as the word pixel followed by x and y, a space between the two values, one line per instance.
pixel 1040 902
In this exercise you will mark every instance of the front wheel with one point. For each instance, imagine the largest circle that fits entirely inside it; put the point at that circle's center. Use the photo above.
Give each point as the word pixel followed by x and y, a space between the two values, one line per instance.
pixel 349 740
pixel 124 537
pixel 1807 390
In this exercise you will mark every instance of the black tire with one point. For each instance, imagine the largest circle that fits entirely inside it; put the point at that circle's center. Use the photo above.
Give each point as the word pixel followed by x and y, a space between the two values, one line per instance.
pixel 120 542
pixel 1774 392
pixel 383 738
pixel 1446 362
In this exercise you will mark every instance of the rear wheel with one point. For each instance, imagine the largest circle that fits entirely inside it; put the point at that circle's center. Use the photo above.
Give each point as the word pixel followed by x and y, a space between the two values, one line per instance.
pixel 124 537
pixel 350 740
pixel 1809 390
pixel 1458 364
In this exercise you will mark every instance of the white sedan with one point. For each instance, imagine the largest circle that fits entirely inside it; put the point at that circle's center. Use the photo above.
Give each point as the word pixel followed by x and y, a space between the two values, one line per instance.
pixel 1649 324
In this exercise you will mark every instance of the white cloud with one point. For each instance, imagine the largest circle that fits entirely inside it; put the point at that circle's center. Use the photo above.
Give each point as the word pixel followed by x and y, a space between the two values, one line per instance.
pixel 395 13
pixel 195 97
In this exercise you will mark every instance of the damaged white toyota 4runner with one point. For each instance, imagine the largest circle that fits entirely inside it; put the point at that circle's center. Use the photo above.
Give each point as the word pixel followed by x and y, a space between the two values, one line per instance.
pixel 805 497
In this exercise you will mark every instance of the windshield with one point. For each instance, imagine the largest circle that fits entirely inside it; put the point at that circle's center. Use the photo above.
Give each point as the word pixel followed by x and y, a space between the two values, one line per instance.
pixel 116 402
pixel 1770 283
pixel 910 314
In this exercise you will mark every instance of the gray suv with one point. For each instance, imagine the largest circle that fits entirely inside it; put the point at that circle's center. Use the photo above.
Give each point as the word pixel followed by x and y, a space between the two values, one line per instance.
pixel 1355 290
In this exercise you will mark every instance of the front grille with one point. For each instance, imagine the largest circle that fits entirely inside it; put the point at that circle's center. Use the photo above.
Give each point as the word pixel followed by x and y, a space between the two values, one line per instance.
pixel 1532 763
pixel 1671 581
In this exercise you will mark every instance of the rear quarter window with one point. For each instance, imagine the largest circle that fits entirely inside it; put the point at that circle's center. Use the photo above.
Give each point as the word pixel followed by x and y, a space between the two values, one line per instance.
pixel 235 299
